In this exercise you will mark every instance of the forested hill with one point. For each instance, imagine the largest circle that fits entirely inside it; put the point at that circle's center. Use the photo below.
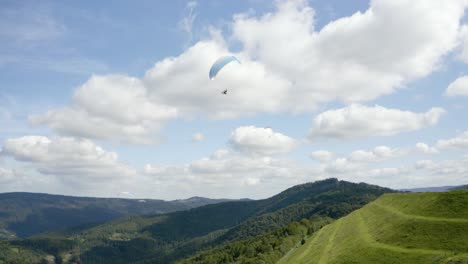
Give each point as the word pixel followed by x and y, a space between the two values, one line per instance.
pixel 25 214
pixel 167 238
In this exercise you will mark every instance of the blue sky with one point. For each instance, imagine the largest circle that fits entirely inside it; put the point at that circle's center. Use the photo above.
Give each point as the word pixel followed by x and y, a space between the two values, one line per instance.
pixel 99 99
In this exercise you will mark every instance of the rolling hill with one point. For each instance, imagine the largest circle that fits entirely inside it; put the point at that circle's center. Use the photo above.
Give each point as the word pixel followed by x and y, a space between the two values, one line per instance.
pixel 26 214
pixel 396 228
pixel 169 237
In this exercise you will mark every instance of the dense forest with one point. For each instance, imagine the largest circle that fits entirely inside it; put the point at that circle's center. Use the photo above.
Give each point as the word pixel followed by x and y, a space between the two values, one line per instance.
pixel 266 248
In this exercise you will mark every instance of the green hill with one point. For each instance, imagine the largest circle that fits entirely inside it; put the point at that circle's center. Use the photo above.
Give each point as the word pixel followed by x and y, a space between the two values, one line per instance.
pixel 169 237
pixel 396 228
pixel 26 214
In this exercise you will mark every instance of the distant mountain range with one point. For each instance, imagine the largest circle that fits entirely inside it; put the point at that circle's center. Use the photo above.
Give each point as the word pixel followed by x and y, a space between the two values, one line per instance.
pixel 25 214
pixel 436 189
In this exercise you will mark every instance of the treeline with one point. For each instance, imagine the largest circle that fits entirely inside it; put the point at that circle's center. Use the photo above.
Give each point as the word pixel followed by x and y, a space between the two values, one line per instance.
pixel 17 255
pixel 267 248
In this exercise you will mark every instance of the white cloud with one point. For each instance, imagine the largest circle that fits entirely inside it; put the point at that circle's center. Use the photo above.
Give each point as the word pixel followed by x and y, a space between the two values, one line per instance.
pixel 165 171
pixel 440 173
pixel 425 149
pixel 75 160
pixel 424 164
pixel 379 153
pixel 322 155
pixel 360 121
pixel 226 174
pixel 6 175
pixel 341 166
pixel 251 181
pixel 463 55
pixel 220 153
pixel 459 87
pixel 422 173
pixel 233 175
pixel 186 23
pixel 385 47
pixel 358 160
pixel 223 168
pixel 260 141
pixel 459 142
pixel 183 82
pixel 233 164
pixel 198 137
pixel 109 107
pixel 287 66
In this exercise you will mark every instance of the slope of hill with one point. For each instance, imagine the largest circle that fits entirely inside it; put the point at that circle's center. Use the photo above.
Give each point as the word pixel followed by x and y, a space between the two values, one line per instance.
pixel 27 214
pixel 166 238
pixel 396 228
pixel 266 248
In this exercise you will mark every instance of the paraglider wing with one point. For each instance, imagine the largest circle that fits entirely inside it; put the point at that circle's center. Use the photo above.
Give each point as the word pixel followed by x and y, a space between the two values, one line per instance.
pixel 219 64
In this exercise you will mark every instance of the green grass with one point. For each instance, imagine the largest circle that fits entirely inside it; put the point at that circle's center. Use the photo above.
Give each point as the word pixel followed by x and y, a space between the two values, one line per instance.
pixel 396 228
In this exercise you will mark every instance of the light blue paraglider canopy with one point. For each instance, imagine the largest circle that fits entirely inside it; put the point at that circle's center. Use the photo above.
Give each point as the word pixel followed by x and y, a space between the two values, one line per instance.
pixel 219 64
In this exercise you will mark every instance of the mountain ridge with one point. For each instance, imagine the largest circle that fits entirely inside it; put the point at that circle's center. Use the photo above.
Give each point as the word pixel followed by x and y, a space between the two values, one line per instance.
pixel 24 214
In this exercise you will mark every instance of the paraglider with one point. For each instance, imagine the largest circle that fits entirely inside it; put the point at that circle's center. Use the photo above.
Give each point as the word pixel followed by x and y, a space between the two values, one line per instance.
pixel 219 64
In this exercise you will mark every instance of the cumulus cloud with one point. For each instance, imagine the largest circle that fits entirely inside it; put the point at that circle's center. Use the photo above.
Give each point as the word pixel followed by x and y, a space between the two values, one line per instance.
pixel 459 87
pixel 322 155
pixel 385 47
pixel 221 172
pixel 6 175
pixel 463 38
pixel 183 82
pixel 425 149
pixel 444 172
pixel 228 165
pixel 379 153
pixel 76 160
pixel 341 166
pixel 198 137
pixel 360 121
pixel 422 173
pixel 260 141
pixel 459 142
pixel 251 181
pixel 259 176
pixel 287 66
pixel 109 107
pixel 358 160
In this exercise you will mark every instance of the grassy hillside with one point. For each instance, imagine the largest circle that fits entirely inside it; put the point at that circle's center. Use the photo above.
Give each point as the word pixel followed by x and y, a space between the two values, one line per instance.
pixel 166 238
pixel 27 214
pixel 396 228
